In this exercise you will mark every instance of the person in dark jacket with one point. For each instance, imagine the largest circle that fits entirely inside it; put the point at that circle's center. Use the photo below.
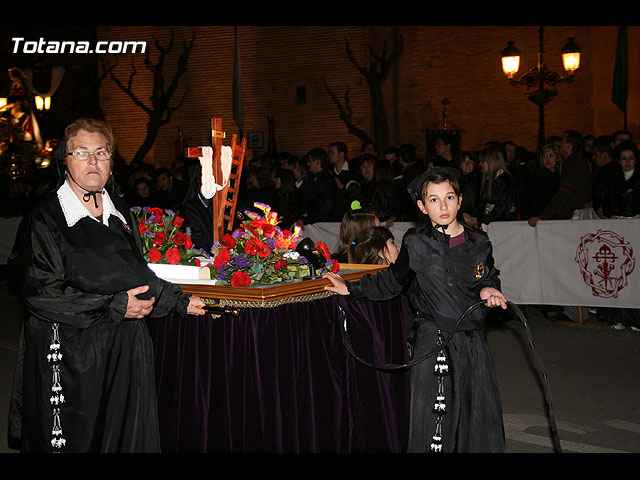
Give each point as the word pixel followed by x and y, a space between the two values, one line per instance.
pixel 84 379
pixel 470 182
pixel 541 185
pixel 319 193
pixel 499 192
pixel 458 409
pixel 608 179
pixel 403 209
pixel 574 191
pixel 627 196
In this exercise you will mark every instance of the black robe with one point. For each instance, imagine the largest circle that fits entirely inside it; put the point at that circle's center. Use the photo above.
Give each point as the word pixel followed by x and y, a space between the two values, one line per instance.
pixel 441 283
pixel 73 283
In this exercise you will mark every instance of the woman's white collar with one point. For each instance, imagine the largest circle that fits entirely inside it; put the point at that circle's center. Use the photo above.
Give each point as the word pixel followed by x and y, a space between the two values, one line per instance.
pixel 74 210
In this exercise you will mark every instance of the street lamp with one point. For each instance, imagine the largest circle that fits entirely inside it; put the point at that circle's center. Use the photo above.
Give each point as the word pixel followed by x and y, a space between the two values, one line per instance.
pixel 540 75
pixel 43 102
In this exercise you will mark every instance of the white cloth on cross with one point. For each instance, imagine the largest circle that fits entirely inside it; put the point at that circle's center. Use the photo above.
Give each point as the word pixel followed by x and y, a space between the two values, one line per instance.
pixel 209 187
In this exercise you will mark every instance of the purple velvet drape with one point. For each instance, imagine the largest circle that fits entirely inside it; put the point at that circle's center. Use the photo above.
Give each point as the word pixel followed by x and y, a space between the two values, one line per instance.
pixel 280 380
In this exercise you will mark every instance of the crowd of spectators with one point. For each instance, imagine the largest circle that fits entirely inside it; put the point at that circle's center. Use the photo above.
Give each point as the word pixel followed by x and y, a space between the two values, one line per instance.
pixel 500 182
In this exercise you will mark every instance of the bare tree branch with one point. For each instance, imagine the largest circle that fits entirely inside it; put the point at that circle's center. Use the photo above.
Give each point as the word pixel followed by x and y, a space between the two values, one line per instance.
pixel 160 110
pixel 375 76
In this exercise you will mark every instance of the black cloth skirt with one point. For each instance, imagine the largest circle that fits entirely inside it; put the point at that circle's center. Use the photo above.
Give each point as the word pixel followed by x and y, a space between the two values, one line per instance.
pixel 472 422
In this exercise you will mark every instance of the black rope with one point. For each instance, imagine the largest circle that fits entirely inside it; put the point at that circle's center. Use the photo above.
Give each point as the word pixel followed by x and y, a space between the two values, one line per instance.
pixel 392 366
pixel 89 193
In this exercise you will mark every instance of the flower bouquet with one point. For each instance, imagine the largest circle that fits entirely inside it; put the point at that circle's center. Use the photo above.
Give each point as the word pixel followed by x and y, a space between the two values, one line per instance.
pixel 163 241
pixel 260 253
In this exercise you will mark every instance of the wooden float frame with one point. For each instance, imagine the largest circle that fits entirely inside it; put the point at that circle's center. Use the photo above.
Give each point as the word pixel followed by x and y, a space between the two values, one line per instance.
pixel 269 293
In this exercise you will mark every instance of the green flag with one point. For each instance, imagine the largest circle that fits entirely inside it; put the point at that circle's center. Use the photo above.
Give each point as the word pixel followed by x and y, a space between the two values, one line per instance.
pixel 620 71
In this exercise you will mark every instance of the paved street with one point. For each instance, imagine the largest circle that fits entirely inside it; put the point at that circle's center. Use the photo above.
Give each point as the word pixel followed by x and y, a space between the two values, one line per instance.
pixel 592 372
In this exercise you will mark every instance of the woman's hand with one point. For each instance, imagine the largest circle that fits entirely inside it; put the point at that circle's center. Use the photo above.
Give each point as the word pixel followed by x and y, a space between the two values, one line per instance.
pixel 493 297
pixel 195 306
pixel 137 308
pixel 337 284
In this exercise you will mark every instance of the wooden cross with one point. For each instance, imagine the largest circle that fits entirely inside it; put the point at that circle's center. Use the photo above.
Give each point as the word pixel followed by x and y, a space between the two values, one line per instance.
pixel 221 199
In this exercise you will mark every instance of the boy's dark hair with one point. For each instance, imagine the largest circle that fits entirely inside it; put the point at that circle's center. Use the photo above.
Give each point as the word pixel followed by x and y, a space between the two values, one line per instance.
pixel 440 177
pixel 434 175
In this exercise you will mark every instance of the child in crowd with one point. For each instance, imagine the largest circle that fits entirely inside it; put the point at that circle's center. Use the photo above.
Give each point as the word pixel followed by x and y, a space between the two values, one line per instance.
pixel 356 219
pixel 450 268
pixel 374 245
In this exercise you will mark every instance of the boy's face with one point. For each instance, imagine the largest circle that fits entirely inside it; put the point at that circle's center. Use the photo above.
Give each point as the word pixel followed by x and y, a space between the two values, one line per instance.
pixel 440 203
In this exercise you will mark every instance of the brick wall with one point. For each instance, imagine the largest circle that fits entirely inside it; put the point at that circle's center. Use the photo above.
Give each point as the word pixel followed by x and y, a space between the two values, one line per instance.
pixel 461 64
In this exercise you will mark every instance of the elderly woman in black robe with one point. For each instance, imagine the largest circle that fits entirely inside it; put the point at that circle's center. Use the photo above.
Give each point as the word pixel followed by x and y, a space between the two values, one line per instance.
pixel 85 370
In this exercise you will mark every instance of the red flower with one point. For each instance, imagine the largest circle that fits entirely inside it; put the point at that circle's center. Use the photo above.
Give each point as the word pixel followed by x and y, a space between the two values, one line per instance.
pixel 159 238
pixel 335 267
pixel 197 260
pixel 179 239
pixel 322 248
pixel 257 247
pixel 240 279
pixel 228 241
pixel 157 214
pixel 268 229
pixel 222 258
pixel 258 223
pixel 177 222
pixel 143 228
pixel 188 243
pixel 280 264
pixel 155 255
pixel 173 256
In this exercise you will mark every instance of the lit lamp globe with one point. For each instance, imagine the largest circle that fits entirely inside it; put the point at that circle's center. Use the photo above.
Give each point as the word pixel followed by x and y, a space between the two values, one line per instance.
pixel 43 103
pixel 510 60
pixel 571 56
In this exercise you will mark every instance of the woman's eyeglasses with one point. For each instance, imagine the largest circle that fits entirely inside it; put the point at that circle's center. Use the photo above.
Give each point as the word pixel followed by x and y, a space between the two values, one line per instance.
pixel 85 154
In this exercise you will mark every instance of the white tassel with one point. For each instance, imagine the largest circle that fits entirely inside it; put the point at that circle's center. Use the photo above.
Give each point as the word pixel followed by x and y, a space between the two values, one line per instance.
pixel 57 440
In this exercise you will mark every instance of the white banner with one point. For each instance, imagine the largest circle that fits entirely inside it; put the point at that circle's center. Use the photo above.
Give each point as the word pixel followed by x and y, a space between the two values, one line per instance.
pixel 569 262
pixel 588 263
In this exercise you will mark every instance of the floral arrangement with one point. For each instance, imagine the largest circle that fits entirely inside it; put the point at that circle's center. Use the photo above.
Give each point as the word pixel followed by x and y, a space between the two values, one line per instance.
pixel 163 240
pixel 259 252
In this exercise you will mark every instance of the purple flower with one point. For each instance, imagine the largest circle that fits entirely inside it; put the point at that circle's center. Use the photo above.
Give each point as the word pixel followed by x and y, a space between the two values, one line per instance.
pixel 222 273
pixel 241 261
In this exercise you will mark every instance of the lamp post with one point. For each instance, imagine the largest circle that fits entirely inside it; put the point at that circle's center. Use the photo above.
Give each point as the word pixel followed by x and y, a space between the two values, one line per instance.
pixel 540 75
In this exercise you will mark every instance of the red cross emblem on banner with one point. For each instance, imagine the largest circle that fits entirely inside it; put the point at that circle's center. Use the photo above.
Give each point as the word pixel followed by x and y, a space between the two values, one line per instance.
pixel 605 260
